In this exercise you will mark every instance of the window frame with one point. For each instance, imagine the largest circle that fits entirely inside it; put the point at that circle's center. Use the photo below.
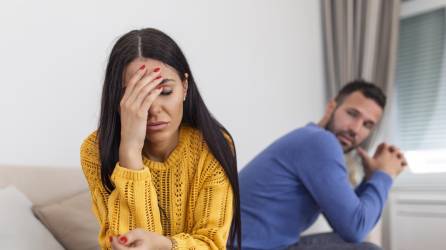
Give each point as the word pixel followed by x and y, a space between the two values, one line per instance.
pixel 408 179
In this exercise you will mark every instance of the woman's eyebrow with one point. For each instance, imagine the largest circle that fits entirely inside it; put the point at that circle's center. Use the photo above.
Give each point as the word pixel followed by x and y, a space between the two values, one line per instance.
pixel 166 80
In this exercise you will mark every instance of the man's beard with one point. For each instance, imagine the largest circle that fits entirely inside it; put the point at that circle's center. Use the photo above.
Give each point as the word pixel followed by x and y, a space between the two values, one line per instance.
pixel 347 134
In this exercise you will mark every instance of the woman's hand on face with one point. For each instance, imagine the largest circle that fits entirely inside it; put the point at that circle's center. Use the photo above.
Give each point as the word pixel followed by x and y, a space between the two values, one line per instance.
pixel 139 239
pixel 141 91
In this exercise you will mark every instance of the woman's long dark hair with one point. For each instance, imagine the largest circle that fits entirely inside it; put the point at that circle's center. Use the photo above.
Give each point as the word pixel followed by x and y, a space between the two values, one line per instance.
pixel 154 44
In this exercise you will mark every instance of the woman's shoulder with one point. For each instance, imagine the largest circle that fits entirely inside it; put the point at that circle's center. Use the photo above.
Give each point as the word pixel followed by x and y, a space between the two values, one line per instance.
pixel 90 147
pixel 195 137
pixel 90 162
pixel 207 164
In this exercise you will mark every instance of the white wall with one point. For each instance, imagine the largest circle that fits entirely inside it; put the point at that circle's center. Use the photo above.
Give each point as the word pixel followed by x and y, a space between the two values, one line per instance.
pixel 417 218
pixel 258 64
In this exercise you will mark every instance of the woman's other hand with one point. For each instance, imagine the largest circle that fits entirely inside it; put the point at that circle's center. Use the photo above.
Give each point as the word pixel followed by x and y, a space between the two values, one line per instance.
pixel 139 239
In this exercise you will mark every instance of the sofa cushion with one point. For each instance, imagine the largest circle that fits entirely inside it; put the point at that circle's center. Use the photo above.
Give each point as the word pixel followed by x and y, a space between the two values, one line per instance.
pixel 71 221
pixel 21 230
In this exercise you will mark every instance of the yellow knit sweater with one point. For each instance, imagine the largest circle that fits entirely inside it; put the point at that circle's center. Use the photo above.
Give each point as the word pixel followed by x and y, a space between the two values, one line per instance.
pixel 188 197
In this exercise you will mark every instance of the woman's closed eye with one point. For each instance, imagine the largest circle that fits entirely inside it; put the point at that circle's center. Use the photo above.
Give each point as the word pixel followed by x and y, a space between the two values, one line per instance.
pixel 166 91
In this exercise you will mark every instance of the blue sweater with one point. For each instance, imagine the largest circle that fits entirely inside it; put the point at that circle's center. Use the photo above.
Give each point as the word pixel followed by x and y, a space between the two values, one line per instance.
pixel 286 187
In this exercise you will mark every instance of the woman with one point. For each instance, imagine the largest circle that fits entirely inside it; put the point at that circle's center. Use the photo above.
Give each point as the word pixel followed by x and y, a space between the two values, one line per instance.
pixel 161 170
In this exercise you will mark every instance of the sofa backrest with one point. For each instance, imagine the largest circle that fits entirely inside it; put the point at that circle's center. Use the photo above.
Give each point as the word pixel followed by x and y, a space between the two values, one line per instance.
pixel 43 184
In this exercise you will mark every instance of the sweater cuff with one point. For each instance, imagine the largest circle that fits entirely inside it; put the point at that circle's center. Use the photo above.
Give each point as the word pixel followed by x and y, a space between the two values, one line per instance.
pixel 178 242
pixel 174 243
pixel 129 174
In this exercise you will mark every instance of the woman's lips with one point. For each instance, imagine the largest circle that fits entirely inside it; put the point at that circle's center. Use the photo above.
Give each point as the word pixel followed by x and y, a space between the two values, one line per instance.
pixel 155 126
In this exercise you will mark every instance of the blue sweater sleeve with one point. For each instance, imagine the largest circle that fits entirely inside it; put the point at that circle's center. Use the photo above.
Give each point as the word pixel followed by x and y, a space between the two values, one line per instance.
pixel 321 168
pixel 360 188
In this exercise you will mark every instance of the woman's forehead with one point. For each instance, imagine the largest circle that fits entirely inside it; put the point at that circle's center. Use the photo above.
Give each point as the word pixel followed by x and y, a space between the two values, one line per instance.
pixel 150 64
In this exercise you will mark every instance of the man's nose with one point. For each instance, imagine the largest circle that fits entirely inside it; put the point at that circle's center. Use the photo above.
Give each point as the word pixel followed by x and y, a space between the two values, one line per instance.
pixel 355 127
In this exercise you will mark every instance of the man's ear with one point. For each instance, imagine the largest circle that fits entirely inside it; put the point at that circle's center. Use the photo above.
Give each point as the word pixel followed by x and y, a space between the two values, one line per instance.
pixel 329 109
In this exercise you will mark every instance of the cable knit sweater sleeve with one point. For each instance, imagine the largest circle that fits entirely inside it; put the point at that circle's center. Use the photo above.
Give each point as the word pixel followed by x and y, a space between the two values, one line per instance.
pixel 132 204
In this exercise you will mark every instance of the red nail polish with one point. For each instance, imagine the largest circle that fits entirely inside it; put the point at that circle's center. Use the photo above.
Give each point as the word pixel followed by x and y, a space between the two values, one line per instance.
pixel 159 87
pixel 156 69
pixel 123 240
pixel 158 77
pixel 142 66
pixel 111 238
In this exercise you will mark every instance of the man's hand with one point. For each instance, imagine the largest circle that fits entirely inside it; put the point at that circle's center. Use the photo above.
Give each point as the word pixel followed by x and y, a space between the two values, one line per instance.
pixel 387 158
pixel 329 109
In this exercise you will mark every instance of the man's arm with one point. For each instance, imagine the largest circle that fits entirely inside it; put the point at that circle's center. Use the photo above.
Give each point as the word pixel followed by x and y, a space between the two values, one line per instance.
pixel 324 174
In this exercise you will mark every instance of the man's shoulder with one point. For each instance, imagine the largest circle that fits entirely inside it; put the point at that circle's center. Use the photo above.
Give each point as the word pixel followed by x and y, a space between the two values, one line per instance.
pixel 312 136
pixel 311 142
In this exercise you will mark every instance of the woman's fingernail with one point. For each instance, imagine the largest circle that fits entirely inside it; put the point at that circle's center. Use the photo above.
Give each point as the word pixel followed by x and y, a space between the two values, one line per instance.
pixel 158 77
pixel 157 69
pixel 159 87
pixel 111 238
pixel 142 66
pixel 123 239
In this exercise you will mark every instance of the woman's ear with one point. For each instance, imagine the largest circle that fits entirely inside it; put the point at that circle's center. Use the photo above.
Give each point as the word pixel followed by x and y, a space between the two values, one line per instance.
pixel 185 85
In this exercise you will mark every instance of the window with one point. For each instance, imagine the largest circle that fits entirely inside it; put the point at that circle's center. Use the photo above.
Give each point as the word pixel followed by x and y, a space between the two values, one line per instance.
pixel 421 91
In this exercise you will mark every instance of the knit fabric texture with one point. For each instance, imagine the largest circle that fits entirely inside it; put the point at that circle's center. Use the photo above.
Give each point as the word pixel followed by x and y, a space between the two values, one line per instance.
pixel 187 198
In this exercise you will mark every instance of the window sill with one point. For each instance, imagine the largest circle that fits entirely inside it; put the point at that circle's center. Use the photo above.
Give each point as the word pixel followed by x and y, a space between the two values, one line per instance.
pixel 421 182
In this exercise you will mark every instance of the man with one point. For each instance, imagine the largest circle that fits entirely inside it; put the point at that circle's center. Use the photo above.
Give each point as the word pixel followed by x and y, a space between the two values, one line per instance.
pixel 303 174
